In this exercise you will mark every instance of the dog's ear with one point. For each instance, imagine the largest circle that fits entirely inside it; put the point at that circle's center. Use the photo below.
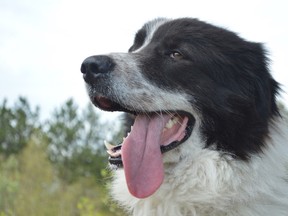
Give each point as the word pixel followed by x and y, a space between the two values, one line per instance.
pixel 265 87
pixel 240 121
pixel 266 105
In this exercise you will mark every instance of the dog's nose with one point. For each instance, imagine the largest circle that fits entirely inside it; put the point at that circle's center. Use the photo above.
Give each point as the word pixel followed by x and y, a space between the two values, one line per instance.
pixel 96 65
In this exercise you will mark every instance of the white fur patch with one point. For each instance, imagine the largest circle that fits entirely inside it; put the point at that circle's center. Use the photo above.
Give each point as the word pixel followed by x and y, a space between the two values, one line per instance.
pixel 150 30
pixel 203 182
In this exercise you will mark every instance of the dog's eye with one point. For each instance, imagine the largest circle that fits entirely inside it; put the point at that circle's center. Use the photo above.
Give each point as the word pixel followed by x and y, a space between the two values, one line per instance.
pixel 176 55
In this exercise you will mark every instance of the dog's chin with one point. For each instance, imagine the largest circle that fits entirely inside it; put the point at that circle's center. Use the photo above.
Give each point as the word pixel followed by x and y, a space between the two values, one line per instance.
pixel 177 129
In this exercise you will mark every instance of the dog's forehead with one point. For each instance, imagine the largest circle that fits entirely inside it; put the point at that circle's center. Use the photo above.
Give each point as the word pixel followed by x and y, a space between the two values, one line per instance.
pixel 151 26
pixel 177 29
pixel 145 34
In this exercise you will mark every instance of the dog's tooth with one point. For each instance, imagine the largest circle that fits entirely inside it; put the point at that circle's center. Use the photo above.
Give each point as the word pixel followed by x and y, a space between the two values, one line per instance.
pixel 113 154
pixel 175 120
pixel 169 124
pixel 172 122
pixel 108 145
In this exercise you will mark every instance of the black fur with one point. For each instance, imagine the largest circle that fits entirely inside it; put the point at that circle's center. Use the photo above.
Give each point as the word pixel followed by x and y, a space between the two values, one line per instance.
pixel 226 76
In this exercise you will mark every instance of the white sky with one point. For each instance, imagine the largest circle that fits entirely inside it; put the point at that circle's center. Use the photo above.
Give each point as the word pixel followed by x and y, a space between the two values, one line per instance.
pixel 43 43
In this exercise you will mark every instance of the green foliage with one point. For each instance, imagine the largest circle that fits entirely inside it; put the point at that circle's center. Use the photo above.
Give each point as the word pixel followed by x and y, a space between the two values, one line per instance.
pixel 17 125
pixel 76 142
pixel 32 188
pixel 64 131
pixel 8 183
pixel 55 167
pixel 86 207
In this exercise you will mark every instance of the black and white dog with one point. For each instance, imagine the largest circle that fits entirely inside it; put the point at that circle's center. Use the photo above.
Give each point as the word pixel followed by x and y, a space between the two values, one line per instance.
pixel 208 138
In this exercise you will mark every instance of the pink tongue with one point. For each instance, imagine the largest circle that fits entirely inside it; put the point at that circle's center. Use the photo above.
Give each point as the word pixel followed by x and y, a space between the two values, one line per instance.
pixel 141 155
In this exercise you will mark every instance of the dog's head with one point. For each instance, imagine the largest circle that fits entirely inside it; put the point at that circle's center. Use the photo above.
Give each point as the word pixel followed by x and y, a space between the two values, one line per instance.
pixel 190 85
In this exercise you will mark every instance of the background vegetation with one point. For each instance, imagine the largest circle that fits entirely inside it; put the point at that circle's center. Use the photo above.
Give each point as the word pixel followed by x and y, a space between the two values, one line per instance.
pixel 55 166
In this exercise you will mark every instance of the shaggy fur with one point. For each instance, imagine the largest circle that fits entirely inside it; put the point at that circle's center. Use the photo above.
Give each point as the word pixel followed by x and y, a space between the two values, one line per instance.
pixel 235 160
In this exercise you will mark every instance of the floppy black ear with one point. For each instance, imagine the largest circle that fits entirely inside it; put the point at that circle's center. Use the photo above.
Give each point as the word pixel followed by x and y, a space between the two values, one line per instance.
pixel 265 98
pixel 265 87
pixel 237 120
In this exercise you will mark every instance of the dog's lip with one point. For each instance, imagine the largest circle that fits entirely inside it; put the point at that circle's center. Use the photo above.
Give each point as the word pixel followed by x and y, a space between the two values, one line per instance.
pixel 116 159
pixel 106 104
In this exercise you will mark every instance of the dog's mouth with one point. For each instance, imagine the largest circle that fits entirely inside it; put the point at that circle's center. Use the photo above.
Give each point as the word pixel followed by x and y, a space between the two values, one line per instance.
pixel 140 154
pixel 178 127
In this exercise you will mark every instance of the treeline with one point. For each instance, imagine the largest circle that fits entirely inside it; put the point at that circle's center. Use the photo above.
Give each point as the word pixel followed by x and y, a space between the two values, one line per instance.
pixel 55 166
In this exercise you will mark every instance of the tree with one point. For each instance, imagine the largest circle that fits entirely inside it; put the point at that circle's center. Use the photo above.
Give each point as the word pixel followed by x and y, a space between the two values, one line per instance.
pixel 64 131
pixel 76 141
pixel 71 179
pixel 9 174
pixel 17 126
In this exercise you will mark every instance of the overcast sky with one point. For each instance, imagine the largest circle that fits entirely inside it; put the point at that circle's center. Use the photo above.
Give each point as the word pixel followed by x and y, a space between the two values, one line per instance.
pixel 43 43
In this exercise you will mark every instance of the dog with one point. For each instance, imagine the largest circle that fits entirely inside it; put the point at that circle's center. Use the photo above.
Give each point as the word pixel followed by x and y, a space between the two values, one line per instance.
pixel 208 137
